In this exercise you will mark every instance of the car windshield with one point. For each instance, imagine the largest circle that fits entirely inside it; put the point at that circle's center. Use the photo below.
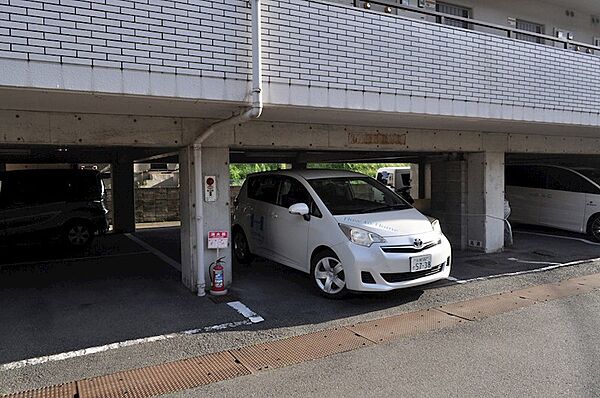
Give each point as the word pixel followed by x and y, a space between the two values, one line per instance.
pixel 356 195
pixel 592 174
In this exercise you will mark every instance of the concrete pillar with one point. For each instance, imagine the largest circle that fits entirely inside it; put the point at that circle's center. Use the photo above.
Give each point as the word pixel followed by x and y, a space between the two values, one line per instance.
pixel 449 199
pixel 485 201
pixel 123 197
pixel 215 215
pixel 187 214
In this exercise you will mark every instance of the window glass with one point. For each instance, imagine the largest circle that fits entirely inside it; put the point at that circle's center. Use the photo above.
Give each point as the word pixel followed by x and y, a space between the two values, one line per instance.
pixel 592 174
pixel 526 176
pixel 566 180
pixel 530 27
pixel 263 188
pixel 291 191
pixel 356 195
pixel 453 9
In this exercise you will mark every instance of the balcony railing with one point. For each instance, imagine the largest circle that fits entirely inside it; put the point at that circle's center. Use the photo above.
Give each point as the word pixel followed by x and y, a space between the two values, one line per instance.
pixel 507 31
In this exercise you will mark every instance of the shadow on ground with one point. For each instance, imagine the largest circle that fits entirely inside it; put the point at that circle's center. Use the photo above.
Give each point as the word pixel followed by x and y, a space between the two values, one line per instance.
pixel 55 301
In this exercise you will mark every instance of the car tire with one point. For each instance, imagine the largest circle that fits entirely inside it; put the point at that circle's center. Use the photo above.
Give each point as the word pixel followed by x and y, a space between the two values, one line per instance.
pixel 241 248
pixel 78 234
pixel 593 228
pixel 327 273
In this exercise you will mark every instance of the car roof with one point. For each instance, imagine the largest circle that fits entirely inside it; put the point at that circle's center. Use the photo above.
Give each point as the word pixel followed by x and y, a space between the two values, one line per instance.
pixel 311 174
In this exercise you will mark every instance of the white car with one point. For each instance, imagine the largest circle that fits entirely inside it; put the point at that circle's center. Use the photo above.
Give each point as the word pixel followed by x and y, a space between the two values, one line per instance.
pixel 347 230
pixel 555 196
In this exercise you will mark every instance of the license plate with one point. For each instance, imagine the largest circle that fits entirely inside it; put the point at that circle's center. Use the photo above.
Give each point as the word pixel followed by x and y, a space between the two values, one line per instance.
pixel 420 263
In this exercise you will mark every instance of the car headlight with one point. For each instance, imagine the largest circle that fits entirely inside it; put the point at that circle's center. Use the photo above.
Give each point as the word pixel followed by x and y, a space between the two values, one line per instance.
pixel 435 224
pixel 360 236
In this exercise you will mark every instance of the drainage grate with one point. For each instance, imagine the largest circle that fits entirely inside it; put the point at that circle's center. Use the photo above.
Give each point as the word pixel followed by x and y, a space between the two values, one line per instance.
pixel 67 390
pixel 483 307
pixel 402 325
pixel 226 298
pixel 297 349
pixel 554 290
pixel 160 379
pixel 193 372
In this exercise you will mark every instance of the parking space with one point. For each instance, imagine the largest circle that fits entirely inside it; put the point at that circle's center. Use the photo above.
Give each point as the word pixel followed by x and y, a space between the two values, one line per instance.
pixel 113 292
pixel 119 290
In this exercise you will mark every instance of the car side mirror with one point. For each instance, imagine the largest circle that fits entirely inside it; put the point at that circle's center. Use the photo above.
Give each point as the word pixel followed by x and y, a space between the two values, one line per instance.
pixel 300 209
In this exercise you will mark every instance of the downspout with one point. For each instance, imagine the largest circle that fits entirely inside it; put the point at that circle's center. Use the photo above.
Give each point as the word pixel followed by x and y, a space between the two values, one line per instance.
pixel 253 112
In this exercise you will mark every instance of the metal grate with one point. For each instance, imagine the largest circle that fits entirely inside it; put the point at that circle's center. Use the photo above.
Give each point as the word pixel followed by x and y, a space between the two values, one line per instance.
pixel 160 379
pixel 483 307
pixel 554 290
pixel 297 349
pixel 409 276
pixel 67 390
pixel 403 325
pixel 409 249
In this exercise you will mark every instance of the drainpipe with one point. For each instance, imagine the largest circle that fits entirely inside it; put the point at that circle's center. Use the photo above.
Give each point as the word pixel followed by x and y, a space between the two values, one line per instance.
pixel 253 112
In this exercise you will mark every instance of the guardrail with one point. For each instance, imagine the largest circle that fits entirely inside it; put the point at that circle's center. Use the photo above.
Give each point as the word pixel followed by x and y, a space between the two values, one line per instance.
pixel 508 31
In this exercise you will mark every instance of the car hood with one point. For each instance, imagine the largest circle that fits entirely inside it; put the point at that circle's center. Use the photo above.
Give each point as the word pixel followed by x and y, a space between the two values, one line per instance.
pixel 389 223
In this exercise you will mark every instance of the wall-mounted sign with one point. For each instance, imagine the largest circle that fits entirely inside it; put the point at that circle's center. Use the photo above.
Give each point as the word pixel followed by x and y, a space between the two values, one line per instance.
pixel 210 188
pixel 218 239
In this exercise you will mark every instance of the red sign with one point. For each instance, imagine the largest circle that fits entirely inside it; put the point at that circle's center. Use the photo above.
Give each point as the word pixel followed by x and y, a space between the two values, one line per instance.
pixel 218 239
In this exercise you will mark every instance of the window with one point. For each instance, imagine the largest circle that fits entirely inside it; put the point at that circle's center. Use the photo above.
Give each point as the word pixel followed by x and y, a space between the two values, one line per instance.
pixel 264 188
pixel 526 176
pixel 530 27
pixel 291 191
pixel 453 9
pixel 565 180
pixel 356 195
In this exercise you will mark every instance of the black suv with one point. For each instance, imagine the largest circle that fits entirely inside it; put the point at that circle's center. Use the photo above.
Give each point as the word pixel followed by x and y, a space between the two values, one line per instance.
pixel 64 204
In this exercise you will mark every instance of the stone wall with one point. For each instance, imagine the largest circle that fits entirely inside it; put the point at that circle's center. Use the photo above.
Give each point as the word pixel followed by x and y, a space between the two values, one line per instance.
pixel 152 204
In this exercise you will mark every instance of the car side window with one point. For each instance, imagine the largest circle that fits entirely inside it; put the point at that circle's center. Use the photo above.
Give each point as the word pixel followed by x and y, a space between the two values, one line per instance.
pixel 526 176
pixel 291 191
pixel 264 188
pixel 566 180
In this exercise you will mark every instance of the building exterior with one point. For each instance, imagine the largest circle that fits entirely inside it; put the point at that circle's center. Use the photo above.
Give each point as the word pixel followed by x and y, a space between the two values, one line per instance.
pixel 456 85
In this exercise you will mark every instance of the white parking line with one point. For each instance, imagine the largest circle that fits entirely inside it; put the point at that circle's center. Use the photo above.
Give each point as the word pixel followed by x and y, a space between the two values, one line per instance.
pixel 533 271
pixel 156 252
pixel 251 316
pixel 245 311
pixel 587 242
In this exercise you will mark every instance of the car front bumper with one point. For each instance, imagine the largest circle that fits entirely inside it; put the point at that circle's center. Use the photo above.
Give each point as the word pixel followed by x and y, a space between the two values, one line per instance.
pixel 371 269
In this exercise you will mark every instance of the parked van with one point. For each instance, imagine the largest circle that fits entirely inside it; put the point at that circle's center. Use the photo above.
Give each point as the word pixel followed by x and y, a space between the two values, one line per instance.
pixel 398 179
pixel 63 204
pixel 555 196
pixel 347 230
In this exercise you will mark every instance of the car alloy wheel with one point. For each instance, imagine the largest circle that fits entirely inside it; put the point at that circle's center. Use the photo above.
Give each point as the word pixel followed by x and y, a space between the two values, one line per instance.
pixel 78 235
pixel 594 229
pixel 329 275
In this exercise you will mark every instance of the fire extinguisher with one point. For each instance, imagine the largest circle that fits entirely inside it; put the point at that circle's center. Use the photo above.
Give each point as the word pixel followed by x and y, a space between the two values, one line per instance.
pixel 217 278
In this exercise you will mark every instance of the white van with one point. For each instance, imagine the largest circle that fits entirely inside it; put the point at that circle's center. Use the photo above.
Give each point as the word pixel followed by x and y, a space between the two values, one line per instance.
pixel 347 230
pixel 395 177
pixel 555 196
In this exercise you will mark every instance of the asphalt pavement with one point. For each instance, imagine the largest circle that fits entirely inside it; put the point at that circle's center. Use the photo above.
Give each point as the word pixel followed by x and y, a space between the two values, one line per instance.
pixel 547 350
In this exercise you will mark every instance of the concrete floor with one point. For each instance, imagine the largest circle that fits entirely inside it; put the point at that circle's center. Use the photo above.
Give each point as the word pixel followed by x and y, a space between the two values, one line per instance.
pixel 114 291
pixel 118 291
